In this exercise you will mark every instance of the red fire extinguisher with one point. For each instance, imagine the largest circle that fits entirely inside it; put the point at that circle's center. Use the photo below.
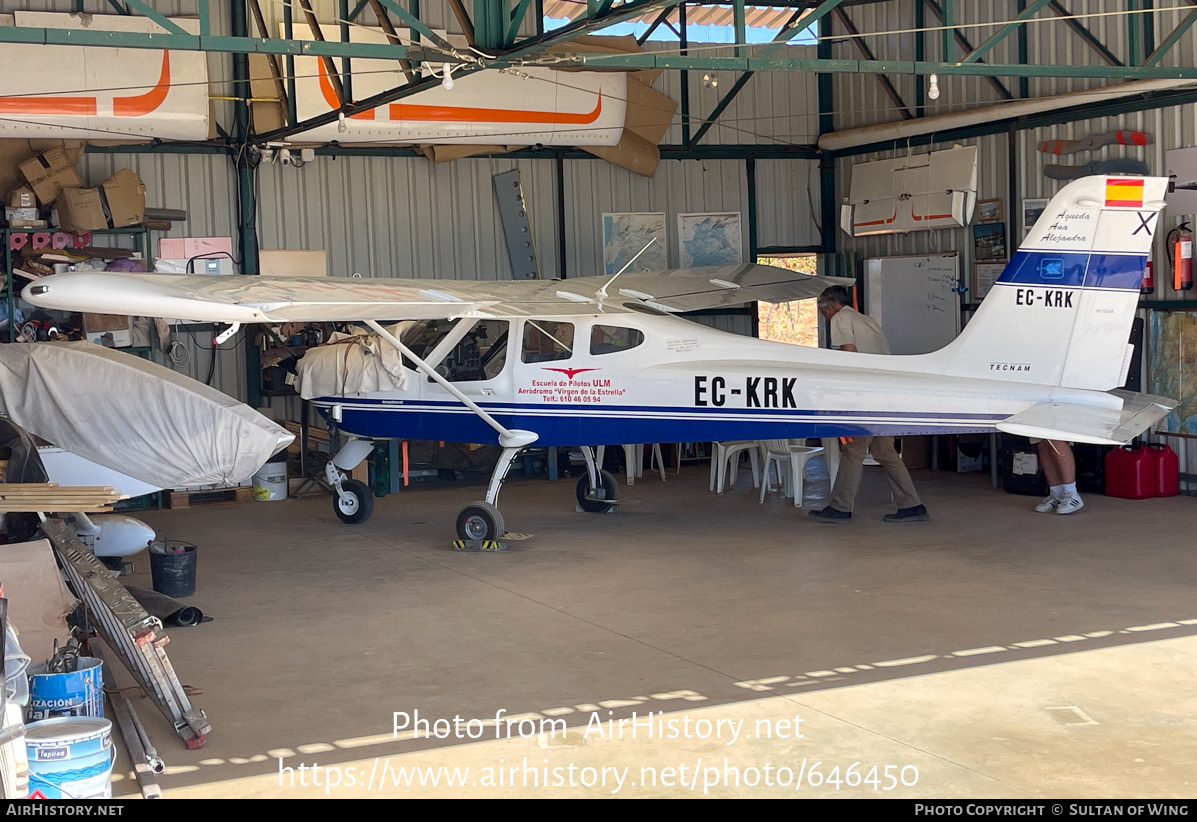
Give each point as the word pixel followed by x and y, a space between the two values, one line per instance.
pixel 1180 254
pixel 1148 286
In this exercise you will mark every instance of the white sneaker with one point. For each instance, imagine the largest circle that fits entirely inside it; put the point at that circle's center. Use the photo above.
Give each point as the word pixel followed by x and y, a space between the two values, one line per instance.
pixel 1069 505
pixel 1049 505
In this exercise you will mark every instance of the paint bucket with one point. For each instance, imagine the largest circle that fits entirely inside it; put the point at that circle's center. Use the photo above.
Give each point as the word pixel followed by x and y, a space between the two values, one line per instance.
pixel 70 758
pixel 79 693
pixel 172 567
pixel 270 483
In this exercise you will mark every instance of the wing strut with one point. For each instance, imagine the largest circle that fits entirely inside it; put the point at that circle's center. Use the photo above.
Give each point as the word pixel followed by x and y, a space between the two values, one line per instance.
pixel 508 438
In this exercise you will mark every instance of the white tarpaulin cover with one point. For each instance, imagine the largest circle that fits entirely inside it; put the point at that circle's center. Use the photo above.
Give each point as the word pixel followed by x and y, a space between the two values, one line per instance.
pixel 133 416
pixel 350 365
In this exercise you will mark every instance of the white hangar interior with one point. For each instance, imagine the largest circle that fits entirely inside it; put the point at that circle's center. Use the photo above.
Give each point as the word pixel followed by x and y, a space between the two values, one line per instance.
pixel 678 638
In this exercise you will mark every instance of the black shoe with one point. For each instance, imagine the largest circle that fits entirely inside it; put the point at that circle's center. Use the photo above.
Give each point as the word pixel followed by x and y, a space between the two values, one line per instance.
pixel 916 514
pixel 830 514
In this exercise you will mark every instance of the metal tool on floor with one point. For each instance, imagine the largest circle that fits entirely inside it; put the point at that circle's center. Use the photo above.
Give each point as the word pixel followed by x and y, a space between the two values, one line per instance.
pixel 132 632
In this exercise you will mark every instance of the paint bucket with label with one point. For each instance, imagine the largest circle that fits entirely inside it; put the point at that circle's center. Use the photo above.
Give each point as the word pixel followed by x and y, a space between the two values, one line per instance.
pixel 270 483
pixel 78 693
pixel 70 758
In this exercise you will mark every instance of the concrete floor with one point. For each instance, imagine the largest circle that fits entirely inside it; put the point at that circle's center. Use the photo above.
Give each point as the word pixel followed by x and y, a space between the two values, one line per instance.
pixel 989 652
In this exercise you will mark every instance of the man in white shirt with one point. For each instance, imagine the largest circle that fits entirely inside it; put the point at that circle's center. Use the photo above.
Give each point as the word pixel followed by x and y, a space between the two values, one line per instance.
pixel 853 331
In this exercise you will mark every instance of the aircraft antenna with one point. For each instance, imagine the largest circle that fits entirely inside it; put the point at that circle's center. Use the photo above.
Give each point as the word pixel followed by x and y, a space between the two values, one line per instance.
pixel 602 292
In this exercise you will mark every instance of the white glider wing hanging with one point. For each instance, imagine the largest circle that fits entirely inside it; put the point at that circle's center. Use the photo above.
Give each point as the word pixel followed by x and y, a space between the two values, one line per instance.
pixel 335 299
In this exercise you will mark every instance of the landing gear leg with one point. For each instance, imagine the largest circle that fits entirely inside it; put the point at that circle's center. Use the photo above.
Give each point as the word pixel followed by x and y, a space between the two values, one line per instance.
pixel 597 491
pixel 481 520
pixel 353 502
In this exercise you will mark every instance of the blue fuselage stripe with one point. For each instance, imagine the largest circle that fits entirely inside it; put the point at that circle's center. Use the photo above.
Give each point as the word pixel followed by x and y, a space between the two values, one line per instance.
pixel 569 425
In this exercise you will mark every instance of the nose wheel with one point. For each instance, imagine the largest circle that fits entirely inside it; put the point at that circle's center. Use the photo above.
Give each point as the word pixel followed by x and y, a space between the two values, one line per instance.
pixel 354 504
pixel 480 521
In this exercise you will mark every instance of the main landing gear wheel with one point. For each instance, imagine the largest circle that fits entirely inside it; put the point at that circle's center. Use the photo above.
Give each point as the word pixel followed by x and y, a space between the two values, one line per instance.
pixel 591 500
pixel 479 521
pixel 358 505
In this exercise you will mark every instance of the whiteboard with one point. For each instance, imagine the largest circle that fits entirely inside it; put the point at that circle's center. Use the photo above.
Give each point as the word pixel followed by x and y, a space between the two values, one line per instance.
pixel 911 298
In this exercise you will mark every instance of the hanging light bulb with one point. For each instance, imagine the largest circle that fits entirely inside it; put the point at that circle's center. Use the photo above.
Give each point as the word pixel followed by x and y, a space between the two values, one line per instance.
pixel 933 91
pixel 447 82
pixel 341 126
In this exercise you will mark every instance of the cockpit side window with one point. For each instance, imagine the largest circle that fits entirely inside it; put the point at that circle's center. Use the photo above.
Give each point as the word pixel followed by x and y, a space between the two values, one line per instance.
pixel 611 339
pixel 547 341
pixel 480 355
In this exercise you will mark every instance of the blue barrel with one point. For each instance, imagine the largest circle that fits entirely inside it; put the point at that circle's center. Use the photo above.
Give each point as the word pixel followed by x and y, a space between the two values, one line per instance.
pixel 70 758
pixel 79 693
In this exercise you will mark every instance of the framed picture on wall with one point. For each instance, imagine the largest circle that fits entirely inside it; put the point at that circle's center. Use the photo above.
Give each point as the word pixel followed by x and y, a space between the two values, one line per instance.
pixel 989 241
pixel 638 237
pixel 1031 209
pixel 989 210
pixel 709 239
pixel 984 276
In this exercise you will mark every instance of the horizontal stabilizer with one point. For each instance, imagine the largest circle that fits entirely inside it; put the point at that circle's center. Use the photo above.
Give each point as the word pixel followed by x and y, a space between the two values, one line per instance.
pixel 1086 423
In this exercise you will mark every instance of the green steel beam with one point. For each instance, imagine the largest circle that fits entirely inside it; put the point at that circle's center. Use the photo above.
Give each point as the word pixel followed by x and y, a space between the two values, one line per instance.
pixel 205 24
pixel 739 25
pixel 247 205
pixel 357 10
pixel 661 18
pixel 1001 34
pixel 1086 36
pixel 488 24
pixel 1133 43
pixel 123 10
pixel 685 78
pixel 1149 26
pixel 948 43
pixel 540 48
pixel 963 42
pixel 920 54
pixel 802 25
pixel 346 63
pixel 1024 84
pixel 867 53
pixel 1170 41
pixel 157 16
pixel 416 24
pixel 517 19
pixel 826 92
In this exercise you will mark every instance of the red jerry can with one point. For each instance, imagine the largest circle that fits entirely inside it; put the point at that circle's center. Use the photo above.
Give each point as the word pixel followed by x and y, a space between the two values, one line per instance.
pixel 1130 473
pixel 1166 469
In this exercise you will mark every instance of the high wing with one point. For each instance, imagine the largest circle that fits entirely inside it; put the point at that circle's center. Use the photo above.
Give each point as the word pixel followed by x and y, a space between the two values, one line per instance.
pixel 339 299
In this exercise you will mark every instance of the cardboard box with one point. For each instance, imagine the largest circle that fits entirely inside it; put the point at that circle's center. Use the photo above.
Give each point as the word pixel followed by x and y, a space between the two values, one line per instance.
pixel 50 173
pixel 184 248
pixel 80 209
pixel 109 330
pixel 118 202
pixel 22 197
pixel 124 194
pixel 292 263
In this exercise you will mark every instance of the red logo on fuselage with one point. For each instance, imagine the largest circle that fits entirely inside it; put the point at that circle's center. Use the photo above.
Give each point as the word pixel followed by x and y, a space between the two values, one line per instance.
pixel 571 372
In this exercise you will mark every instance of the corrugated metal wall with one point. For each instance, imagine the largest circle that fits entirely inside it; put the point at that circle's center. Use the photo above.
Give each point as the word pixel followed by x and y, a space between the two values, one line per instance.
pixel 405 217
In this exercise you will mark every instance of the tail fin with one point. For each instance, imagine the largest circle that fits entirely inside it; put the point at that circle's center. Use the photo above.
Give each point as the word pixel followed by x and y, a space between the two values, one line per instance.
pixel 1061 312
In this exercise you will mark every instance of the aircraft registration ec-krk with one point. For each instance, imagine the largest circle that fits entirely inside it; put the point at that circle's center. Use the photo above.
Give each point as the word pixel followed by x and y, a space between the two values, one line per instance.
pixel 600 360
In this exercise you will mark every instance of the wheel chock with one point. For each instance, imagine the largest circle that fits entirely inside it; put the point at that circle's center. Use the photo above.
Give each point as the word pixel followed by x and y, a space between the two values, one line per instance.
pixel 479 546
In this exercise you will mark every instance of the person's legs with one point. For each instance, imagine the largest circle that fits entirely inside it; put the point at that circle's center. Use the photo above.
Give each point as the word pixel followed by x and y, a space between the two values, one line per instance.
pixel 847 481
pixel 895 471
pixel 1059 466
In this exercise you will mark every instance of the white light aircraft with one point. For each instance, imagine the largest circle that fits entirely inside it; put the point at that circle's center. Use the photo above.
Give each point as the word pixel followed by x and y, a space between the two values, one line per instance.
pixel 599 360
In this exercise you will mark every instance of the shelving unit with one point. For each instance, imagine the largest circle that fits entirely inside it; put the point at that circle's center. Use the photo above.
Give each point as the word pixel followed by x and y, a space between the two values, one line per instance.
pixel 140 239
